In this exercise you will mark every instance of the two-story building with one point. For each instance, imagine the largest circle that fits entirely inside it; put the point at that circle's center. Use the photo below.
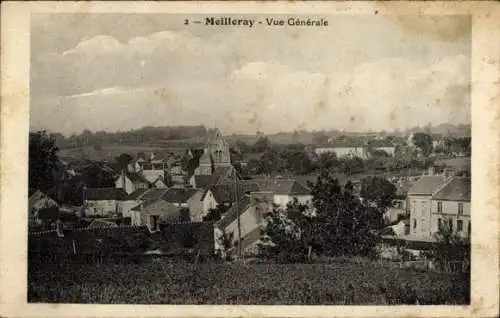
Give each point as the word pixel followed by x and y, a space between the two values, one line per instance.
pixel 419 200
pixel 450 207
pixel 437 202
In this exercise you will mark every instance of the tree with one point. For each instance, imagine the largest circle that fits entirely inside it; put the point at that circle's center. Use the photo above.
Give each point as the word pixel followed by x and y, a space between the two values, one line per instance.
pixel 341 225
pixel 261 145
pixel 319 138
pixel 328 161
pixel 286 234
pixel 123 160
pixel 423 142
pixel 344 225
pixel 378 191
pixel 141 155
pixel 225 241
pixel 215 215
pixel 96 177
pixel 42 160
pixel 451 247
pixel 242 147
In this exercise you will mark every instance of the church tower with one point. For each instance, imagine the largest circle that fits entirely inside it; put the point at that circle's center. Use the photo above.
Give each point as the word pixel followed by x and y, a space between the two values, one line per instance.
pixel 216 153
pixel 218 149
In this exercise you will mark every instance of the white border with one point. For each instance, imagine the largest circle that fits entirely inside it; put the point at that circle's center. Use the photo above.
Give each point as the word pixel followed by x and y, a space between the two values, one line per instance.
pixel 485 170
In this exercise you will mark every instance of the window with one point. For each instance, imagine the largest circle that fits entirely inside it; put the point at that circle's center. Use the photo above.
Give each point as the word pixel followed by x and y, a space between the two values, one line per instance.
pixel 414 223
pixel 460 225
pixel 440 207
pixel 440 224
pixel 450 224
pixel 460 209
pixel 423 229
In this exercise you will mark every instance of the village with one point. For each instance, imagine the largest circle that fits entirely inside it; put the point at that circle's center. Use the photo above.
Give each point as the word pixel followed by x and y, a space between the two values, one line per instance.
pixel 150 191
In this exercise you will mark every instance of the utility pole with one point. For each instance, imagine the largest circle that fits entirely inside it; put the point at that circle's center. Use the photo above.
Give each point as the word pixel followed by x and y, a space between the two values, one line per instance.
pixel 237 199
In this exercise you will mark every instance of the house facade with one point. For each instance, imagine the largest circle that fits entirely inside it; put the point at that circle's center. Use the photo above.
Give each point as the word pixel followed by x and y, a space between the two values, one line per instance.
pixel 450 207
pixel 419 200
pixel 251 212
pixel 153 213
pixel 103 201
pixel 285 191
pixel 225 194
pixel 343 150
pixel 131 181
pixel 437 202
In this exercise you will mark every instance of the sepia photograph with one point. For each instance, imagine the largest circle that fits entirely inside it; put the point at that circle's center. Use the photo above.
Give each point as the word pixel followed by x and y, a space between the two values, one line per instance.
pixel 239 158
pixel 164 171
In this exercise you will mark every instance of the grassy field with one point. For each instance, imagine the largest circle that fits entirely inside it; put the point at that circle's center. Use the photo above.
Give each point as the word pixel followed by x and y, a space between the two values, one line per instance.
pixel 166 281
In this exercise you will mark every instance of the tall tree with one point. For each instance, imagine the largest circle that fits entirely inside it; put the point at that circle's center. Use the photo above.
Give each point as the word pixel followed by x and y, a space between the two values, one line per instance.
pixel 423 142
pixel 261 145
pixel 123 160
pixel 378 191
pixel 42 160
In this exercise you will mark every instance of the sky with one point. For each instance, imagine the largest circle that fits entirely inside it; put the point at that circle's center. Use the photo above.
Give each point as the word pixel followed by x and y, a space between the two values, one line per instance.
pixel 115 72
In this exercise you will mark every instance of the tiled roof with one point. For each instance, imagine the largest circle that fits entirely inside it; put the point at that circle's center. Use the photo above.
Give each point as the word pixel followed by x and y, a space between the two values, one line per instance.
pixel 97 194
pixel 153 194
pixel 232 213
pixel 457 189
pixel 206 158
pixel 136 194
pixel 282 186
pixel 178 195
pixel 225 193
pixel 152 175
pixel 221 172
pixel 135 177
pixel 204 181
pixel 427 185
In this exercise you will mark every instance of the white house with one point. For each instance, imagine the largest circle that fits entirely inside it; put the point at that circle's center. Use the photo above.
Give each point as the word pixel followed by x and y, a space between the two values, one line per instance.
pixel 103 201
pixel 160 205
pixel 130 201
pixel 225 194
pixel 382 145
pixel 131 181
pixel 252 209
pixel 155 178
pixel 450 207
pixel 419 199
pixel 285 191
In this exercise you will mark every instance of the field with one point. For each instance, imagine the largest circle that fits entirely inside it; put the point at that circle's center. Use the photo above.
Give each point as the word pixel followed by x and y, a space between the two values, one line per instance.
pixel 164 281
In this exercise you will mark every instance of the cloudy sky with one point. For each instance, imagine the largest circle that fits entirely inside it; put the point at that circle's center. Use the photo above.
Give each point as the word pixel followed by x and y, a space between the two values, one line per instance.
pixel 117 72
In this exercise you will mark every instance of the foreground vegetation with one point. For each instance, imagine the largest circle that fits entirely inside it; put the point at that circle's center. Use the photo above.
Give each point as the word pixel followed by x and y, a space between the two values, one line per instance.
pixel 167 281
